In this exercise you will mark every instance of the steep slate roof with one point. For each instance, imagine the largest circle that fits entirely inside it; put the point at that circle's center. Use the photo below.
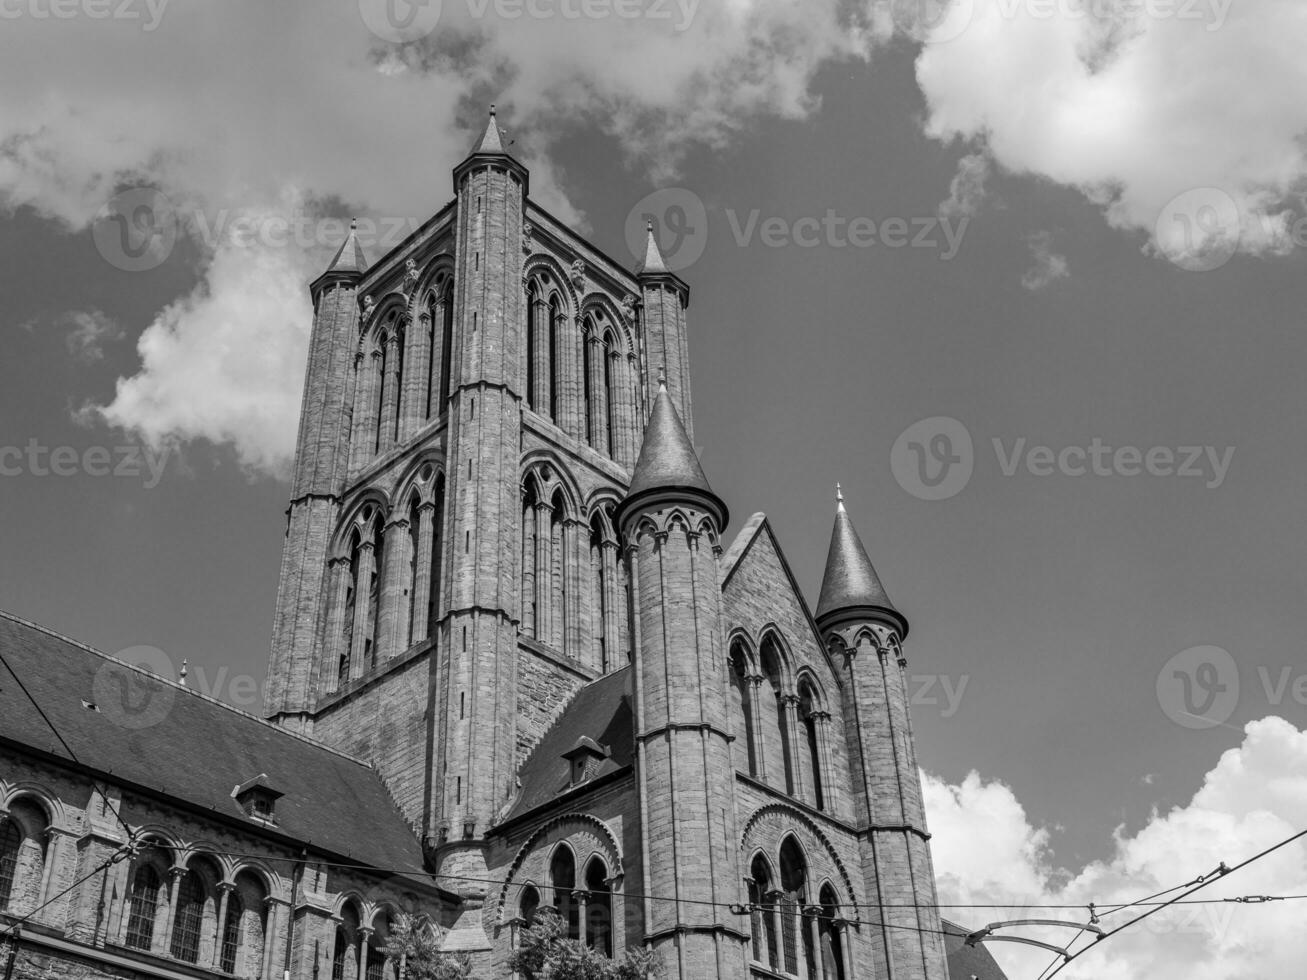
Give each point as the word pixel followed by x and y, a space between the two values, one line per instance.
pixel 601 711
pixel 965 962
pixel 667 458
pixel 197 751
pixel 850 580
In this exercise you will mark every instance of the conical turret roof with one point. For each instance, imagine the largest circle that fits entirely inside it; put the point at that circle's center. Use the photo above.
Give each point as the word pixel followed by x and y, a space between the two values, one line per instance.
pixel 350 257
pixel 851 582
pixel 492 140
pixel 667 459
pixel 653 256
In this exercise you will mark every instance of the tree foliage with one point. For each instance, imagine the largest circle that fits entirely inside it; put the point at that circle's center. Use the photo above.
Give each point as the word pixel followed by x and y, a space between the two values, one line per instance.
pixel 545 953
pixel 416 944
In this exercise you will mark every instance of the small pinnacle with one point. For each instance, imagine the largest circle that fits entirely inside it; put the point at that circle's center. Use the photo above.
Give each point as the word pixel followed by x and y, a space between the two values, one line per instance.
pixel 492 110
pixel 839 498
pixel 648 226
pixel 182 679
pixel 353 224
pixel 662 376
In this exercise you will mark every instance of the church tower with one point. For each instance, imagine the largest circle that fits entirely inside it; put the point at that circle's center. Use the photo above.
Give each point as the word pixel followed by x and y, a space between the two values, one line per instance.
pixel 671 525
pixel 864 632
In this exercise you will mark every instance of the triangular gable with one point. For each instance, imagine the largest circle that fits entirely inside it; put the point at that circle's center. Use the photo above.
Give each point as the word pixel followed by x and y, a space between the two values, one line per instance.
pixel 757 542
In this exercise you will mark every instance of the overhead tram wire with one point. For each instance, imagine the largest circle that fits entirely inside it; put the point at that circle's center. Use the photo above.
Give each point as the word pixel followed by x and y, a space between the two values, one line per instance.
pixel 1220 874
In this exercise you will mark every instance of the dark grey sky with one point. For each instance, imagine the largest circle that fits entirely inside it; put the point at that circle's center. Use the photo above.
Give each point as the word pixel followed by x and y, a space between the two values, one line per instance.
pixel 1056 600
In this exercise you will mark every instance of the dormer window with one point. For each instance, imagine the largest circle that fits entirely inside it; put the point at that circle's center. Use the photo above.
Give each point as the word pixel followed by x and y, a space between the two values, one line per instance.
pixel 584 759
pixel 257 799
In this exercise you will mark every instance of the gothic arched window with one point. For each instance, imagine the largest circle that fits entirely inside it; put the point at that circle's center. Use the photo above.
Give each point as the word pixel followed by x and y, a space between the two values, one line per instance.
pixel 530 558
pixel 339 955
pixel 562 878
pixel 602 588
pixel 189 917
pixel 809 710
pixel 144 899
pixel 11 841
pixel 374 593
pixel 351 608
pixel 741 695
pixel 830 940
pixel 345 954
pixel 608 443
pixel 762 888
pixel 535 306
pixel 598 908
pixel 796 941
pixel 555 357
pixel 559 571
pixel 774 740
pixel 588 393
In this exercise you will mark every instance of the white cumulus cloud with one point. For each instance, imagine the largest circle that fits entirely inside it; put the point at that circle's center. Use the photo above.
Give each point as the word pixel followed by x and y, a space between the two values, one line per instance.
pixel 1136 104
pixel 987 852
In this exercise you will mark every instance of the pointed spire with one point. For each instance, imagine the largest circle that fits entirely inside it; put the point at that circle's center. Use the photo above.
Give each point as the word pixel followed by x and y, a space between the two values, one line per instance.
pixel 653 256
pixel 668 461
pixel 851 582
pixel 350 257
pixel 492 140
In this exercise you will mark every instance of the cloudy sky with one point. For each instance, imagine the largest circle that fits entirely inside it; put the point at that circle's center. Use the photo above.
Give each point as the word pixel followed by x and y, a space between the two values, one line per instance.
pixel 1026 276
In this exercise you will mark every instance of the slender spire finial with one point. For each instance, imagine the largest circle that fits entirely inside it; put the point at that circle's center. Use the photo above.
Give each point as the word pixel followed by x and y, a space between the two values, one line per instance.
pixel 662 375
pixel 353 224
pixel 839 498
pixel 492 110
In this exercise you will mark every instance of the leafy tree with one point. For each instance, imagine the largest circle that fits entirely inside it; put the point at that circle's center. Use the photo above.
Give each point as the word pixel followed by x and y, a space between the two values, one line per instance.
pixel 415 942
pixel 545 953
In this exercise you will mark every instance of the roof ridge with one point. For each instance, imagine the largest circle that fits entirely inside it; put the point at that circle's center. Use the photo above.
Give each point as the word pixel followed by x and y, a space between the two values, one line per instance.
pixel 48 631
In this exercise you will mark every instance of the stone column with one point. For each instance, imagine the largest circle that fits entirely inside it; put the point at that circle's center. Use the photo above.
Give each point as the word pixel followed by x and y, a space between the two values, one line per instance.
pixel 393 603
pixel 829 791
pixel 364 937
pixel 363 440
pixel 756 682
pixel 793 747
pixel 163 939
pixel 225 888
